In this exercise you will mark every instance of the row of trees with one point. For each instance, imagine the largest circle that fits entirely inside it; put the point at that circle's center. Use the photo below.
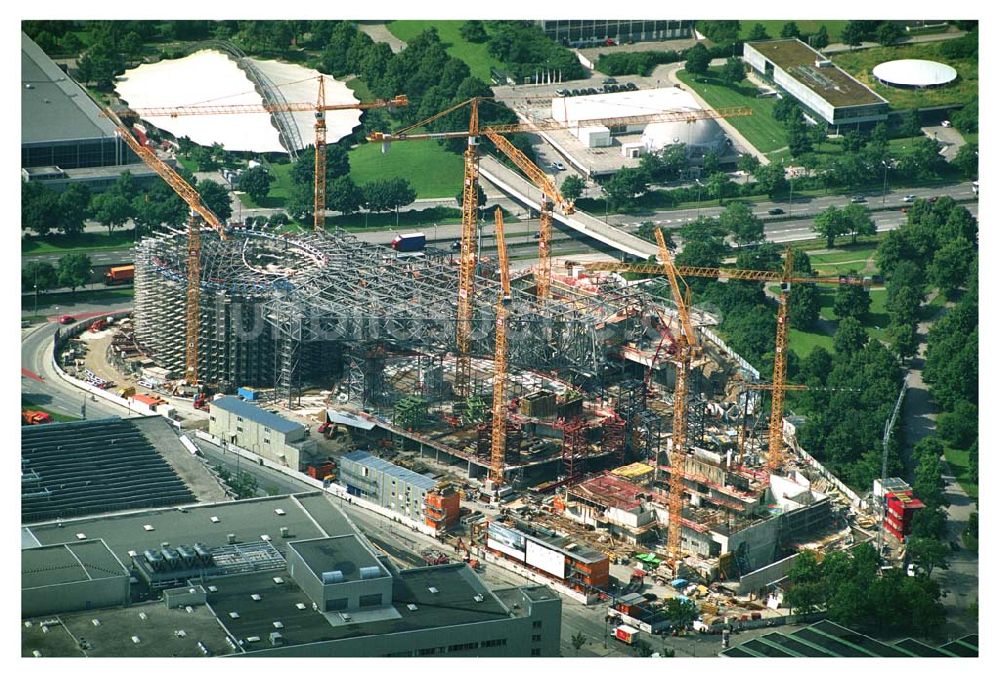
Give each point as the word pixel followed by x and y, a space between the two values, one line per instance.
pixel 852 589
pixel 73 270
pixel 43 210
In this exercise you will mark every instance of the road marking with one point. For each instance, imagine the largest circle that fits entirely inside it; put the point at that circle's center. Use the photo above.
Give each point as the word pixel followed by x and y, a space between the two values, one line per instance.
pixel 25 372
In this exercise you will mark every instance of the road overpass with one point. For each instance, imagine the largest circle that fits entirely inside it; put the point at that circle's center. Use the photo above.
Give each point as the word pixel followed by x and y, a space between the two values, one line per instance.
pixel 522 190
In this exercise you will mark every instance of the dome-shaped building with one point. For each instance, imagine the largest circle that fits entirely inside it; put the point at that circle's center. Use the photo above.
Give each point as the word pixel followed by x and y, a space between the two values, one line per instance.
pixel 699 137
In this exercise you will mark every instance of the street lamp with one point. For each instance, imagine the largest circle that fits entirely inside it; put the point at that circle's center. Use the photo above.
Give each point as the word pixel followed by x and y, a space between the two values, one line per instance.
pixel 698 182
pixel 791 190
pixel 885 180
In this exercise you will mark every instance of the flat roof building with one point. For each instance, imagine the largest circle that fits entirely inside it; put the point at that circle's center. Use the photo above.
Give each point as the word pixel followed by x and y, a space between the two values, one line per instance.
pixel 74 576
pixel 827 92
pixel 256 430
pixel 291 577
pixel 60 124
pixel 589 32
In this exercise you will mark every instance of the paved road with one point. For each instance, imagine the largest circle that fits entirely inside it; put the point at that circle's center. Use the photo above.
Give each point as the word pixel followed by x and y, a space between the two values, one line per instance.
pixel 51 392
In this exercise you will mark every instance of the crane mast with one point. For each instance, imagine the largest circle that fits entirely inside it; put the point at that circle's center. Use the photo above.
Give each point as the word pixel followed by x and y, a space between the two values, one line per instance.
pixel 319 184
pixel 467 260
pixel 775 446
pixel 498 439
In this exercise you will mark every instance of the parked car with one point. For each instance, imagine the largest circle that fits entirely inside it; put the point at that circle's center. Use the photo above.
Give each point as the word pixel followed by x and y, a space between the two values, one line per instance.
pixel 859 198
pixel 909 198
pixel 609 81
pixel 946 123
pixel 66 320
pixel 631 86
pixel 775 210
pixel 562 92
pixel 557 166
pixel 456 245
pixel 538 234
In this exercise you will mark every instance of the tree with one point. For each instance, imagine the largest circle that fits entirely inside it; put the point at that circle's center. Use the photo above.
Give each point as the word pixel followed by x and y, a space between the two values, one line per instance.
pixel 344 196
pixel 927 554
pixel 39 207
pixel 739 221
pixel 771 180
pixel 806 593
pixel 572 187
pixel 480 196
pixel 719 186
pixel 733 72
pixel 112 209
pixel 642 649
pixel 624 186
pixel 821 39
pixel 909 126
pixel 799 139
pixel 966 120
pixel 337 164
pixel 858 221
pixel 967 160
pixel 960 427
pixel 851 301
pixel 38 274
pixel 804 304
pixel 853 33
pixel 951 264
pixel 73 205
pixel 681 613
pixel 748 163
pixel 578 640
pixel 904 339
pixel 216 198
pixel 790 30
pixel 383 195
pixel 473 31
pixel 696 59
pixel 830 224
pixel 850 337
pixel 889 33
pixel 758 32
pixel 73 270
pixel 786 108
pixel 255 182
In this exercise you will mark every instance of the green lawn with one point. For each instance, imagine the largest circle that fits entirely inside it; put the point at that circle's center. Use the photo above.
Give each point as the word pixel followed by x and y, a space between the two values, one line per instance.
pixel 838 261
pixel 773 27
pixel 861 62
pixel 958 460
pixel 803 342
pixel 426 217
pixel 84 242
pixel 433 171
pixel 760 129
pixel 474 55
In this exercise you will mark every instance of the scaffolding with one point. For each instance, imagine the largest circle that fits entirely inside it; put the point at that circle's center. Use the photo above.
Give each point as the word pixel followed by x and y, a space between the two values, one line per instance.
pixel 275 307
pixel 613 438
pixel 630 400
pixel 575 447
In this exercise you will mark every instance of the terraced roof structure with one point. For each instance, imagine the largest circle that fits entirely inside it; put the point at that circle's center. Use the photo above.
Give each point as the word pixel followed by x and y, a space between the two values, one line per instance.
pixel 87 467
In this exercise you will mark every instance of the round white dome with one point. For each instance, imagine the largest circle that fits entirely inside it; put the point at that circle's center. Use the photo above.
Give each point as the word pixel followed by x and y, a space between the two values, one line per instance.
pixel 914 73
pixel 701 135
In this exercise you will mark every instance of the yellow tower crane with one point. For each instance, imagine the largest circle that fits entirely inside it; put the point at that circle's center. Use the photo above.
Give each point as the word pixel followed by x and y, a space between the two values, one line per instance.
pixel 470 196
pixel 786 278
pixel 498 440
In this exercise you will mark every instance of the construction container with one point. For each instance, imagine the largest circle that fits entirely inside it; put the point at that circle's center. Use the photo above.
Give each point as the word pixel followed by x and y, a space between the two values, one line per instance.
pixel 626 634
pixel 248 393
pixel 539 404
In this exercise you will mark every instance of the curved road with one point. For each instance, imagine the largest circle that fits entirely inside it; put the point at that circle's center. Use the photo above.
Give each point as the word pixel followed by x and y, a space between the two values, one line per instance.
pixel 40 385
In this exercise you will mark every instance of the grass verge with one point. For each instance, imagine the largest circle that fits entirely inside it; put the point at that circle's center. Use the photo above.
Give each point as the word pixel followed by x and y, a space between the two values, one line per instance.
pixel 958 460
pixel 82 242
pixel 760 129
pixel 26 404
pixel 475 55
pixel 774 26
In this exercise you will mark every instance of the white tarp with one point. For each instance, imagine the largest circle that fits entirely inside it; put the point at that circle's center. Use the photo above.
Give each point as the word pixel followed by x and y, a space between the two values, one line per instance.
pixel 553 562
pixel 208 77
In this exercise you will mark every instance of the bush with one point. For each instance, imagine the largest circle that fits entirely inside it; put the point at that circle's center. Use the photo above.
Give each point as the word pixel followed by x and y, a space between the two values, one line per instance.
pixel 634 63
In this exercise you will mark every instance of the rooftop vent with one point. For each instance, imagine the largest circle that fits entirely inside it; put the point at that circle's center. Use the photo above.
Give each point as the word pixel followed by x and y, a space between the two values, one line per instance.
pixel 370 572
pixel 214 519
pixel 346 617
pixel 478 598
pixel 333 577
pixel 95 622
pixel 148 528
pixel 142 616
pixel 253 639
pixel 231 538
pixel 81 535
pixel 212 588
pixel 277 580
pixel 279 511
pixel 300 606
pixel 255 597
pixel 265 537
pixel 234 615
pixel 432 589
pixel 284 531
pixel 277 625
pixel 411 607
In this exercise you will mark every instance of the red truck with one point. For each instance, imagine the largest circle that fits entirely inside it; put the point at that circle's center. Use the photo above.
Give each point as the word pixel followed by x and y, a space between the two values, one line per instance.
pixel 31 417
pixel 625 633
pixel 119 275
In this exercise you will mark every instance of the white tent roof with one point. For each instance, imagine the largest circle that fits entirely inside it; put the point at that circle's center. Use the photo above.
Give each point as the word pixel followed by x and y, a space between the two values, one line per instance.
pixel 914 73
pixel 208 77
pixel 622 104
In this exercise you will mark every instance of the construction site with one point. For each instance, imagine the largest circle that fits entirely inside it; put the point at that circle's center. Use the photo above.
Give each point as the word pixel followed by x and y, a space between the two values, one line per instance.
pixel 589 414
